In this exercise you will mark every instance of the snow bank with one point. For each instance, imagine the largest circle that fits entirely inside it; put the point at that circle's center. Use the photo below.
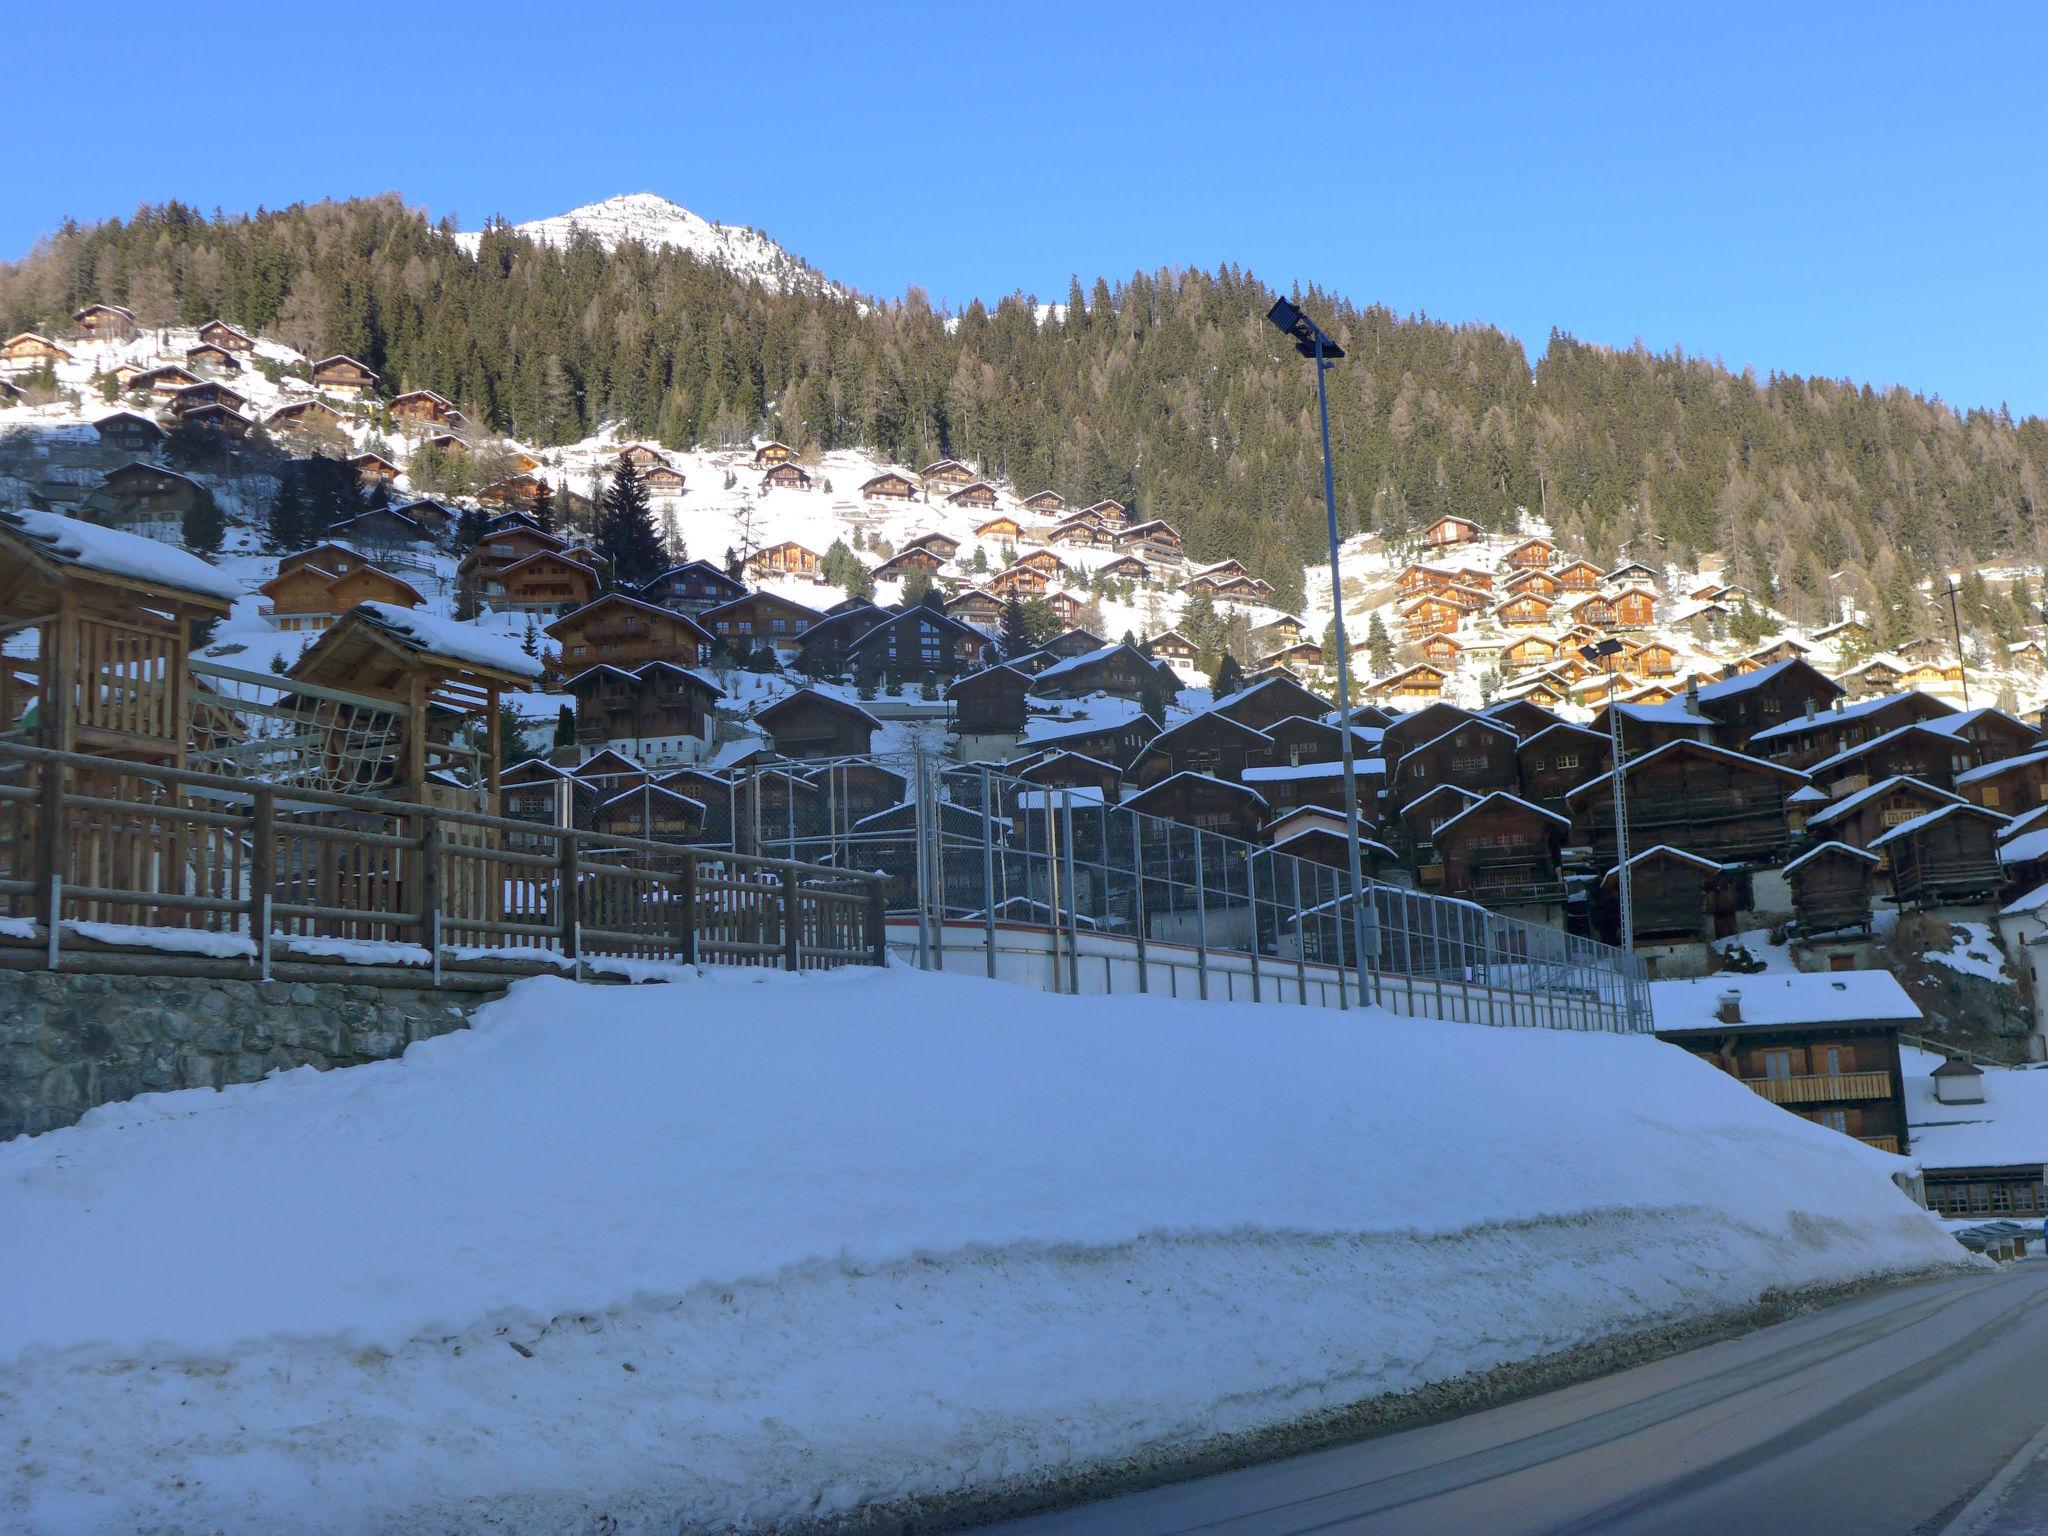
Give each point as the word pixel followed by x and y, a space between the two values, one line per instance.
pixel 119 553
pixel 754 1247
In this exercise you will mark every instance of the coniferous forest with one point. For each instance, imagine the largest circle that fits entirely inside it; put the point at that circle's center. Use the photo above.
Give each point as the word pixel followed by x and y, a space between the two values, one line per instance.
pixel 1167 390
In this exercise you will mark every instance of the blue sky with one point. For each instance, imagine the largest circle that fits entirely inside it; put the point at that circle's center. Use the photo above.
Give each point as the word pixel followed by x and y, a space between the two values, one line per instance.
pixel 1845 190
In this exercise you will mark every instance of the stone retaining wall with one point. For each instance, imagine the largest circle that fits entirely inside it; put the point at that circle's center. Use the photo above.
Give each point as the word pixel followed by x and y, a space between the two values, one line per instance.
pixel 71 1042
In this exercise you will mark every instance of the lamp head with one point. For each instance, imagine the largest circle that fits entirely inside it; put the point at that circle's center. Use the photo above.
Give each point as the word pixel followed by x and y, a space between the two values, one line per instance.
pixel 1287 316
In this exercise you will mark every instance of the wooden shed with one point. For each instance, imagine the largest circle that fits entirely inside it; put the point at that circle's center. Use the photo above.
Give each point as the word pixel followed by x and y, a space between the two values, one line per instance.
pixel 1945 857
pixel 1833 886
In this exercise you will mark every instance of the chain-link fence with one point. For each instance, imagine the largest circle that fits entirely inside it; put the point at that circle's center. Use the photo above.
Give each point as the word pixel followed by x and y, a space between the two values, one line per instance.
pixel 1059 885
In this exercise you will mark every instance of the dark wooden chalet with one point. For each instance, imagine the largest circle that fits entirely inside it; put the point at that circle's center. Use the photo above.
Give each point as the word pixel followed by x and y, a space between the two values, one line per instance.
pixel 1944 857
pixel 1500 851
pixel 2010 785
pixel 221 420
pixel 1920 751
pixel 207 392
pixel 944 545
pixel 1157 540
pixel 1412 685
pixel 211 360
pixel 919 642
pixel 889 485
pixel 627 632
pixel 655 712
pixel 1447 532
pixel 374 469
pixel 1833 885
pixel 826 643
pixel 948 472
pixel 976 495
pixel 990 702
pixel 1001 527
pixel 218 333
pixel 812 724
pixel 1211 743
pixel 1861 817
pixel 1173 646
pixel 129 432
pixel 1019 581
pixel 1122 671
pixel 786 477
pixel 1271 700
pixel 341 375
pixel 1807 1042
pixel 1675 897
pixel 652 813
pixel 760 619
pixel 1475 754
pixel 1558 759
pixel 1705 799
pixel 1406 732
pixel 105 322
pixel 904 561
pixel 424 408
pixel 1073 770
pixel 693 587
pixel 771 453
pixel 1986 735
pixel 1755 701
pixel 305 416
pixel 1196 800
pixel 971 605
pixel 1044 503
pixel 1070 643
pixel 1416 822
pixel 141 493
pixel 1522 716
pixel 549 579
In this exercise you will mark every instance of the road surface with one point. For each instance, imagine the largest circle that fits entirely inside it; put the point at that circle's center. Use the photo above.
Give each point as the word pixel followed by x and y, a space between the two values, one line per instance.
pixel 1888 1413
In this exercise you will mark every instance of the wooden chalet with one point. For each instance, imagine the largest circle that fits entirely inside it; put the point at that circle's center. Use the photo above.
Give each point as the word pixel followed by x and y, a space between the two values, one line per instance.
pixel 889 485
pixel 692 587
pixel 653 813
pixel 221 420
pixel 111 615
pixel 374 469
pixel 1675 897
pixel 1534 583
pixel 1499 850
pixel 1812 739
pixel 760 619
pixel 1807 1043
pixel 422 408
pixel 808 723
pixel 662 481
pixel 772 453
pixel 1551 762
pixel 1411 684
pixel 1594 612
pixel 128 432
pixel 1633 609
pixel 1019 581
pixel 1755 701
pixel 1865 815
pixel 206 392
pixel 640 458
pixel 516 493
pixel 124 373
pixel 1708 800
pixel 1533 555
pixel 1921 751
pixel 627 632
pixel 1308 654
pixel 2008 785
pixel 1045 562
pixel 344 376
pixel 1875 676
pixel 387 527
pixel 1082 533
pixel 1530 651
pixel 1403 733
pixel 1073 642
pixel 1944 857
pixel 1113 513
pixel 164 382
pixel 1430 614
pixel 1833 886
pixel 105 322
pixel 505 547
pixel 212 361
pixel 990 702
pixel 976 495
pixel 918 642
pixel 946 472
pixel 547 579
pixel 1174 647
pixel 443 675
pixel 1448 532
pixel 904 561
pixel 1071 770
pixel 28 349
pixel 305 415
pixel 971 605
pixel 1654 658
pixel 786 477
pixel 787 558
pixel 825 644
pixel 1126 568
pixel 218 333
pixel 1526 610
pixel 1522 717
pixel 1579 576
pixel 1000 527
pixel 1475 754
pixel 1209 743
pixel 1121 671
pixel 1196 800
pixel 305 595
pixel 1045 503
pixel 657 712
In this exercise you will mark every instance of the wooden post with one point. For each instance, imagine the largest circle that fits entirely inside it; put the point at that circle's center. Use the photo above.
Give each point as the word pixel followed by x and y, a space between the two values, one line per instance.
pixel 685 902
pixel 567 897
pixel 792 921
pixel 878 922
pixel 262 873
pixel 430 889
pixel 50 869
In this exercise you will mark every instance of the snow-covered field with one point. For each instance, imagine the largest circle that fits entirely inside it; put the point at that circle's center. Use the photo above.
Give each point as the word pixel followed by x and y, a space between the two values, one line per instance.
pixel 753 1248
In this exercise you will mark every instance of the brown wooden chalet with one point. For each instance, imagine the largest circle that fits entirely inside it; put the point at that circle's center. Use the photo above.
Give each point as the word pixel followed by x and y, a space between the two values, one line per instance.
pixel 1922 751
pixel 211 360
pixel 1500 851
pixel 904 561
pixel 971 605
pixel 1082 533
pixel 1403 733
pixel 1074 642
pixel 1173 646
pixel 948 472
pixel 1578 576
pixel 1197 800
pixel 1675 897
pixel 307 596
pixel 1533 584
pixel 129 432
pixel 1126 568
pixel 1526 610
pixel 656 712
pixel 218 333
pixel 388 527
pixel 304 415
pixel 1812 739
pixel 344 376
pixel 1447 532
pixel 1944 857
pixel 990 702
pixel 1000 527
pixel 976 495
pixel 808 723
pixel 1045 503
pixel 1530 651
pixel 1533 555
pixel 787 558
pixel 505 547
pixel 1412 684
pixel 1045 562
pixel 1705 799
pixel 518 493
pixel 627 632
pixel 105 322
pixel 653 813
pixel 889 485
pixel 1633 609
pixel 1807 1043
pixel 2009 785
pixel 28 347
pixel 221 420
pixel 1438 650
pixel 374 469
pixel 692 587
pixel 1209 743
pixel 1755 701
pixel 1863 816
pixel 760 619
pixel 772 453
pixel 1833 885
pixel 1019 581
pixel 1121 671
pixel 1556 760
pixel 547 579
pixel 920 641
pixel 1113 513
pixel 423 408
pixel 1475 754
pixel 1270 701
pixel 1521 716
pixel 786 477
pixel 165 382
pixel 206 392
pixel 1431 614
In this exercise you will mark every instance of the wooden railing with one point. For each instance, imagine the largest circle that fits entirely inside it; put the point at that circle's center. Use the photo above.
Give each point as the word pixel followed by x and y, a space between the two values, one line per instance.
pixel 1823 1088
pixel 242 871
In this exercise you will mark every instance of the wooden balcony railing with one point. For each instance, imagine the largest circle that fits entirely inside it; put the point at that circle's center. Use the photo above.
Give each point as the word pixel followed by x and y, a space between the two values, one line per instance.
pixel 1823 1087
pixel 1882 1143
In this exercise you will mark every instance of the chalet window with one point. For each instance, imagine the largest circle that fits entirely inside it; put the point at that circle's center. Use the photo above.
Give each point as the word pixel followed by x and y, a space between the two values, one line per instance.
pixel 1470 763
pixel 1833 1119
pixel 1834 1061
pixel 2001 1198
pixel 1777 1064
pixel 1565 760
pixel 1899 815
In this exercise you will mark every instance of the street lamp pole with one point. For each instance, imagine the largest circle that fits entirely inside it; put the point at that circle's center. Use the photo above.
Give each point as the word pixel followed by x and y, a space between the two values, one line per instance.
pixel 1311 342
pixel 1605 651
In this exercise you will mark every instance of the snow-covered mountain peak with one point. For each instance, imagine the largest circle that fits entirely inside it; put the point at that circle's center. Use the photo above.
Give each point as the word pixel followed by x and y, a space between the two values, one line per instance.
pixel 655 221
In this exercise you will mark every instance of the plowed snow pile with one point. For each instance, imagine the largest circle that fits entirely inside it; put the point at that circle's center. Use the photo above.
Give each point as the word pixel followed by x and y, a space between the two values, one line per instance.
pixel 755 1248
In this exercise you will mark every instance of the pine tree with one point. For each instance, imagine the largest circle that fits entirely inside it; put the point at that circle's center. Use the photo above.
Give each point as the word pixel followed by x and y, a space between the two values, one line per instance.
pixel 626 539
pixel 543 508
pixel 205 525
pixel 531 643
pixel 1016 632
pixel 1228 677
pixel 1379 646
pixel 565 727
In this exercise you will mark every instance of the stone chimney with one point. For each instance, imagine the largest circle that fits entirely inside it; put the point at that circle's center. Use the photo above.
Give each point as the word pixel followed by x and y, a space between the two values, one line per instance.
pixel 1692 690
pixel 1728 1007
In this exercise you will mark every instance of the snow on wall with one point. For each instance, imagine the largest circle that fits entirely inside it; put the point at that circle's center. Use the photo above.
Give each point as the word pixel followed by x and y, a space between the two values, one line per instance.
pixel 754 1247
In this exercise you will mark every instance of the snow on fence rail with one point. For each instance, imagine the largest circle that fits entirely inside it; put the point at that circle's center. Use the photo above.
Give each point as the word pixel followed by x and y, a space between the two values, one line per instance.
pixel 1123 901
pixel 239 871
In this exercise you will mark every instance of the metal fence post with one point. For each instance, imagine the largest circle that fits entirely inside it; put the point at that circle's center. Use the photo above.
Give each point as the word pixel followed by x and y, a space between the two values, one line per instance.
pixel 922 866
pixel 1052 888
pixel 1251 884
pixel 1201 923
pixel 262 873
pixel 1300 937
pixel 988 876
pixel 684 899
pixel 1073 895
pixel 1138 892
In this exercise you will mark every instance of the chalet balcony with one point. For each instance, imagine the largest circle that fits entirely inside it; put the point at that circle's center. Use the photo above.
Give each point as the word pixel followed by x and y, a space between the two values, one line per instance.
pixel 1510 882
pixel 1822 1087
pixel 1946 880
pixel 1882 1143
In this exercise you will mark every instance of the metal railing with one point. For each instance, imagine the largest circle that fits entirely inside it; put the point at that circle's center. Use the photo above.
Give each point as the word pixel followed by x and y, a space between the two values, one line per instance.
pixel 244 872
pixel 971 850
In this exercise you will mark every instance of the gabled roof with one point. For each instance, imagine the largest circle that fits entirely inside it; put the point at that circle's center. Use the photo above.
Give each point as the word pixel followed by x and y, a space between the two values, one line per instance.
pixel 62 544
pixel 1864 748
pixel 1187 778
pixel 343 357
pixel 1463 725
pixel 1849 804
pixel 753 597
pixel 1833 850
pixel 815 696
pixel 1506 799
pixel 1209 718
pixel 1442 789
pixel 1565 725
pixel 2003 765
pixel 561 557
pixel 1724 754
pixel 1920 823
pixel 1666 851
pixel 1729 688
pixel 642 672
pixel 1821 720
pixel 653 610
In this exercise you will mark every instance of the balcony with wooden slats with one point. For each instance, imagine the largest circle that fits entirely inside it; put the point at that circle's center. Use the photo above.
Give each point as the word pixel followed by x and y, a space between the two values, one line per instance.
pixel 1823 1087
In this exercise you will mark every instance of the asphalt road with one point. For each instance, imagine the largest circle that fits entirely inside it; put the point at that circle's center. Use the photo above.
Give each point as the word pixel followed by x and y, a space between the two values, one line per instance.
pixel 1914 1410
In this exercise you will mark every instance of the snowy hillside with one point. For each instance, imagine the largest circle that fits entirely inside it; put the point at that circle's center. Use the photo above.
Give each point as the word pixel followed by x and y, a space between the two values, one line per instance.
pixel 655 221
pixel 638 1260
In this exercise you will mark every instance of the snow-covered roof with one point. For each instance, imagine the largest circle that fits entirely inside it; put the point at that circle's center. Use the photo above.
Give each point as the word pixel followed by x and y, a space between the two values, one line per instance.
pixel 1822 719
pixel 1729 687
pixel 1850 803
pixel 2025 848
pixel 1274 773
pixel 1490 725
pixel 2009 1128
pixel 450 638
pixel 1666 851
pixel 2003 765
pixel 1725 754
pixel 2033 901
pixel 113 552
pixel 1084 717
pixel 1921 823
pixel 1500 794
pixel 1775 998
pixel 1240 790
pixel 1830 847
